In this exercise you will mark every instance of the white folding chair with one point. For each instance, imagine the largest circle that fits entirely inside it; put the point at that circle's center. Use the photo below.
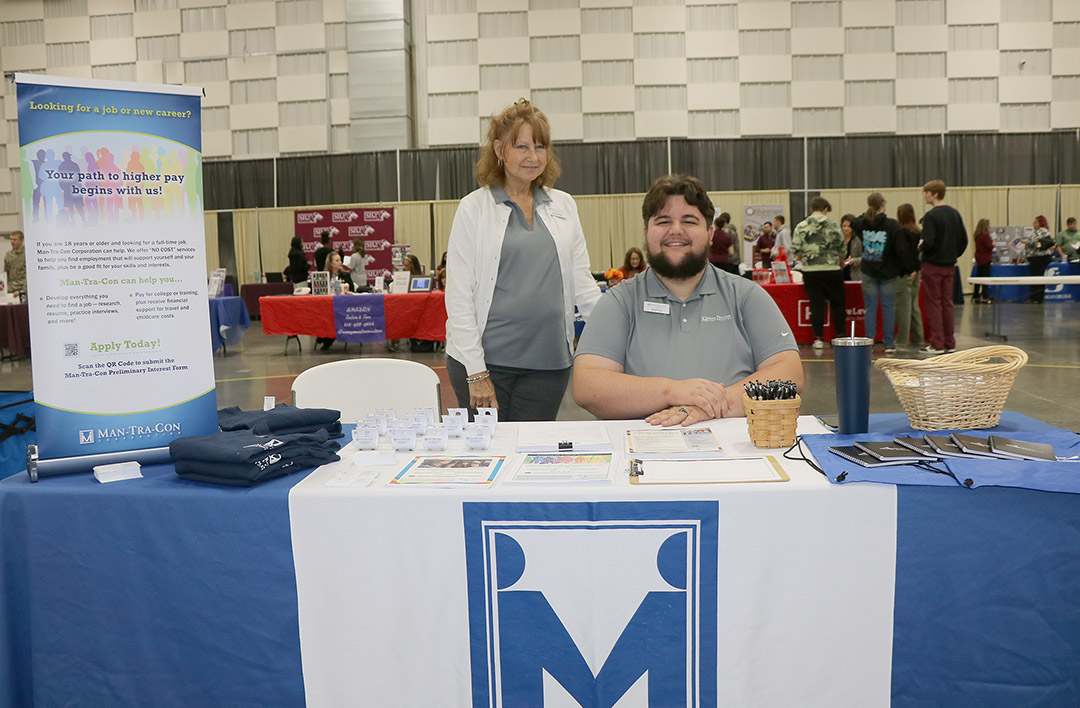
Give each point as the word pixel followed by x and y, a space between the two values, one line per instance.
pixel 356 387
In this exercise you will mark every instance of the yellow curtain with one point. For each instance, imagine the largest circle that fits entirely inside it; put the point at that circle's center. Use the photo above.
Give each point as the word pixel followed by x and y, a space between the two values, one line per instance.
pixel 210 228
pixel 1070 202
pixel 1025 203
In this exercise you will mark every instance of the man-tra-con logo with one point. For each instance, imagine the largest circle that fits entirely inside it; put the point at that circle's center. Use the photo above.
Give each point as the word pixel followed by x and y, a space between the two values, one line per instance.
pixel 361 231
pixel 309 217
pixel 129 432
pixel 592 605
pixel 344 217
pixel 377 214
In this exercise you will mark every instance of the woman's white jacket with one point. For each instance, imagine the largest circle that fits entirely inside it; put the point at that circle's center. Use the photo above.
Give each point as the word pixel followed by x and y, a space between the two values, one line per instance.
pixel 472 266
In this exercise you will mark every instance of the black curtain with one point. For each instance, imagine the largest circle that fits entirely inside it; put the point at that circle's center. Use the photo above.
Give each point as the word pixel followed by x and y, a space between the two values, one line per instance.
pixel 337 179
pixel 742 163
pixel 239 184
pixel 1011 158
pixel 611 168
pixel 456 172
pixel 874 161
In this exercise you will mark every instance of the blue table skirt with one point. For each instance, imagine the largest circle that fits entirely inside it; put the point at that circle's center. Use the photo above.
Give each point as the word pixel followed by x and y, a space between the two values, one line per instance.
pixel 169 593
pixel 230 313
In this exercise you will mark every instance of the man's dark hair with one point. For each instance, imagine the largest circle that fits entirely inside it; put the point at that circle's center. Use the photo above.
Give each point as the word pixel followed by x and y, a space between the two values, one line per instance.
pixel 781 219
pixel 935 187
pixel 820 204
pixel 690 188
pixel 1070 220
pixel 325 238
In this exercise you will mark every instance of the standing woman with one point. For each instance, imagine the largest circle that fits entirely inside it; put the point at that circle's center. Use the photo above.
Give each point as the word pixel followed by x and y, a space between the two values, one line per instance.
pixel 1040 249
pixel 909 329
pixel 298 262
pixel 517 266
pixel 984 255
pixel 852 249
pixel 879 268
pixel 357 264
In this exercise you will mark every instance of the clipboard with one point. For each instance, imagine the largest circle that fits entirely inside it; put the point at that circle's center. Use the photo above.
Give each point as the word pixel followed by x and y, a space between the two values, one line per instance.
pixel 725 470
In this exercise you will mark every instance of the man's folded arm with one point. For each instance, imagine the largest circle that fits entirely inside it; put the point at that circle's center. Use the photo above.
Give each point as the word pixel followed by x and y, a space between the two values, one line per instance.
pixel 601 387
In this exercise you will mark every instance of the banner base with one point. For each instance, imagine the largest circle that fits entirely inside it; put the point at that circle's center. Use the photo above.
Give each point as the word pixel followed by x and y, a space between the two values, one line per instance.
pixel 37 468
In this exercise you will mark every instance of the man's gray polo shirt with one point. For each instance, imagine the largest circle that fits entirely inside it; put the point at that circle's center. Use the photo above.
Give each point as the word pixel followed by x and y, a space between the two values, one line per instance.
pixel 724 330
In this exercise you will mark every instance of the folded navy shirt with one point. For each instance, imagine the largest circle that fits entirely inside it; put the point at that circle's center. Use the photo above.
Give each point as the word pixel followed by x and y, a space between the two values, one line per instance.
pixel 245 446
pixel 283 418
pixel 241 457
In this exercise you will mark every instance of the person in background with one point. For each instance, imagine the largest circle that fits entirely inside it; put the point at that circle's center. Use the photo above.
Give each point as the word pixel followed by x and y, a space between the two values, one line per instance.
pixel 520 266
pixel 1068 241
pixel 357 264
pixel 1040 248
pixel 323 251
pixel 984 256
pixel 722 249
pixel 852 261
pixel 783 234
pixel 15 264
pixel 944 239
pixel 298 262
pixel 339 285
pixel 880 268
pixel 736 242
pixel 764 245
pixel 819 244
pixel 440 274
pixel 909 327
pixel 633 263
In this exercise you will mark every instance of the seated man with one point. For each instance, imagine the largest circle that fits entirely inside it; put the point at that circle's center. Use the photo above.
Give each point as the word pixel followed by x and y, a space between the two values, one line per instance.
pixel 677 343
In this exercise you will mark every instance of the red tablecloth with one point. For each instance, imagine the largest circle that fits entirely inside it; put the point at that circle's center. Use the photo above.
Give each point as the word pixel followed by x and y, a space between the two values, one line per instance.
pixel 15 329
pixel 408 316
pixel 795 305
pixel 251 292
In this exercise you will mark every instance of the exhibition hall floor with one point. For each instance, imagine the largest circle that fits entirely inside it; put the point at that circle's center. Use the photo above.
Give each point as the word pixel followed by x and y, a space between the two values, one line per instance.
pixel 1045 389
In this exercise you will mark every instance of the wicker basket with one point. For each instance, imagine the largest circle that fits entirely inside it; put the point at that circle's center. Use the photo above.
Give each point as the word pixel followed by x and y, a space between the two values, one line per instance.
pixel 958 391
pixel 772 423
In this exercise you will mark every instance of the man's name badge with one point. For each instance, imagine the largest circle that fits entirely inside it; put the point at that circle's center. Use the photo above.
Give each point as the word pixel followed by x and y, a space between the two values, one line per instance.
pixel 660 308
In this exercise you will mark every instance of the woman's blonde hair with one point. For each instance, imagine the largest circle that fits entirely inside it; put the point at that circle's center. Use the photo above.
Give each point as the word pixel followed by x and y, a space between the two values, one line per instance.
pixel 505 127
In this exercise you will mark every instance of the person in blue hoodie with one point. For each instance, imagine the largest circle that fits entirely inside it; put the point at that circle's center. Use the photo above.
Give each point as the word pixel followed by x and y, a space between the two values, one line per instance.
pixel 880 269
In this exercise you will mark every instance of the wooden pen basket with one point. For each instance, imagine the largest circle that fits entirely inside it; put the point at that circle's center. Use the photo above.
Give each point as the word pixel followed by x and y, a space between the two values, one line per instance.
pixel 772 423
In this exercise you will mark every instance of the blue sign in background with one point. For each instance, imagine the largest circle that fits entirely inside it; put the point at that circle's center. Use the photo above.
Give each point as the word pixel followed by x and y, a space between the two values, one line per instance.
pixel 359 318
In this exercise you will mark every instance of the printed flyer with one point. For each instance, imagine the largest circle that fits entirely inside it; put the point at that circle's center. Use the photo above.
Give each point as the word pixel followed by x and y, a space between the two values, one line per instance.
pixel 116 264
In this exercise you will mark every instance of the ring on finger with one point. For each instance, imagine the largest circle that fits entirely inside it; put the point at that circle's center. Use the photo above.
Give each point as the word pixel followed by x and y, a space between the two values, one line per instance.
pixel 684 412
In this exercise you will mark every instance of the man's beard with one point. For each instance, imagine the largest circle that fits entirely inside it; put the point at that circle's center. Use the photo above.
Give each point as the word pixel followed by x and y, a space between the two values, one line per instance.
pixel 692 263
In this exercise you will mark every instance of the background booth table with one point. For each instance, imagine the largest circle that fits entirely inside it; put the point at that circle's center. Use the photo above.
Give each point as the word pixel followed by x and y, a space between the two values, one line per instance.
pixel 166 593
pixel 251 292
pixel 1019 291
pixel 228 321
pixel 411 315
pixel 15 330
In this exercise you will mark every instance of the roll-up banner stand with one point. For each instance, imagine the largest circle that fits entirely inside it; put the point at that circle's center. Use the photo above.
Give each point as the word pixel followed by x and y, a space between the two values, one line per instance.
pixel 115 270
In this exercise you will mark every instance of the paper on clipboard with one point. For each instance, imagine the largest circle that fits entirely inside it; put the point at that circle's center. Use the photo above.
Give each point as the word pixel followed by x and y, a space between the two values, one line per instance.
pixel 727 470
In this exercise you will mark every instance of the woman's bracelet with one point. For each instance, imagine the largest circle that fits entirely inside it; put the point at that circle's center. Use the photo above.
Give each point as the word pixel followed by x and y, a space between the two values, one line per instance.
pixel 477 378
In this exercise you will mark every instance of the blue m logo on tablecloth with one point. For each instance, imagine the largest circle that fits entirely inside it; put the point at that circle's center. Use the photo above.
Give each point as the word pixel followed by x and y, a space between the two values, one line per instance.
pixel 592 605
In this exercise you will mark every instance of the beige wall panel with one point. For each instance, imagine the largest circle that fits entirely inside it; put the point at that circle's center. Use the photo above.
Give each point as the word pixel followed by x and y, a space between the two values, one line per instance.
pixel 23 57
pixel 157 22
pixel 204 44
pixel 112 51
pixel 210 227
pixel 67 29
pixel 310 37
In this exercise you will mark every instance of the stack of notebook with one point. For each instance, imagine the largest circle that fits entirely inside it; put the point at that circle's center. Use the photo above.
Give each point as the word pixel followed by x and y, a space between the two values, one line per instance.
pixel 930 448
